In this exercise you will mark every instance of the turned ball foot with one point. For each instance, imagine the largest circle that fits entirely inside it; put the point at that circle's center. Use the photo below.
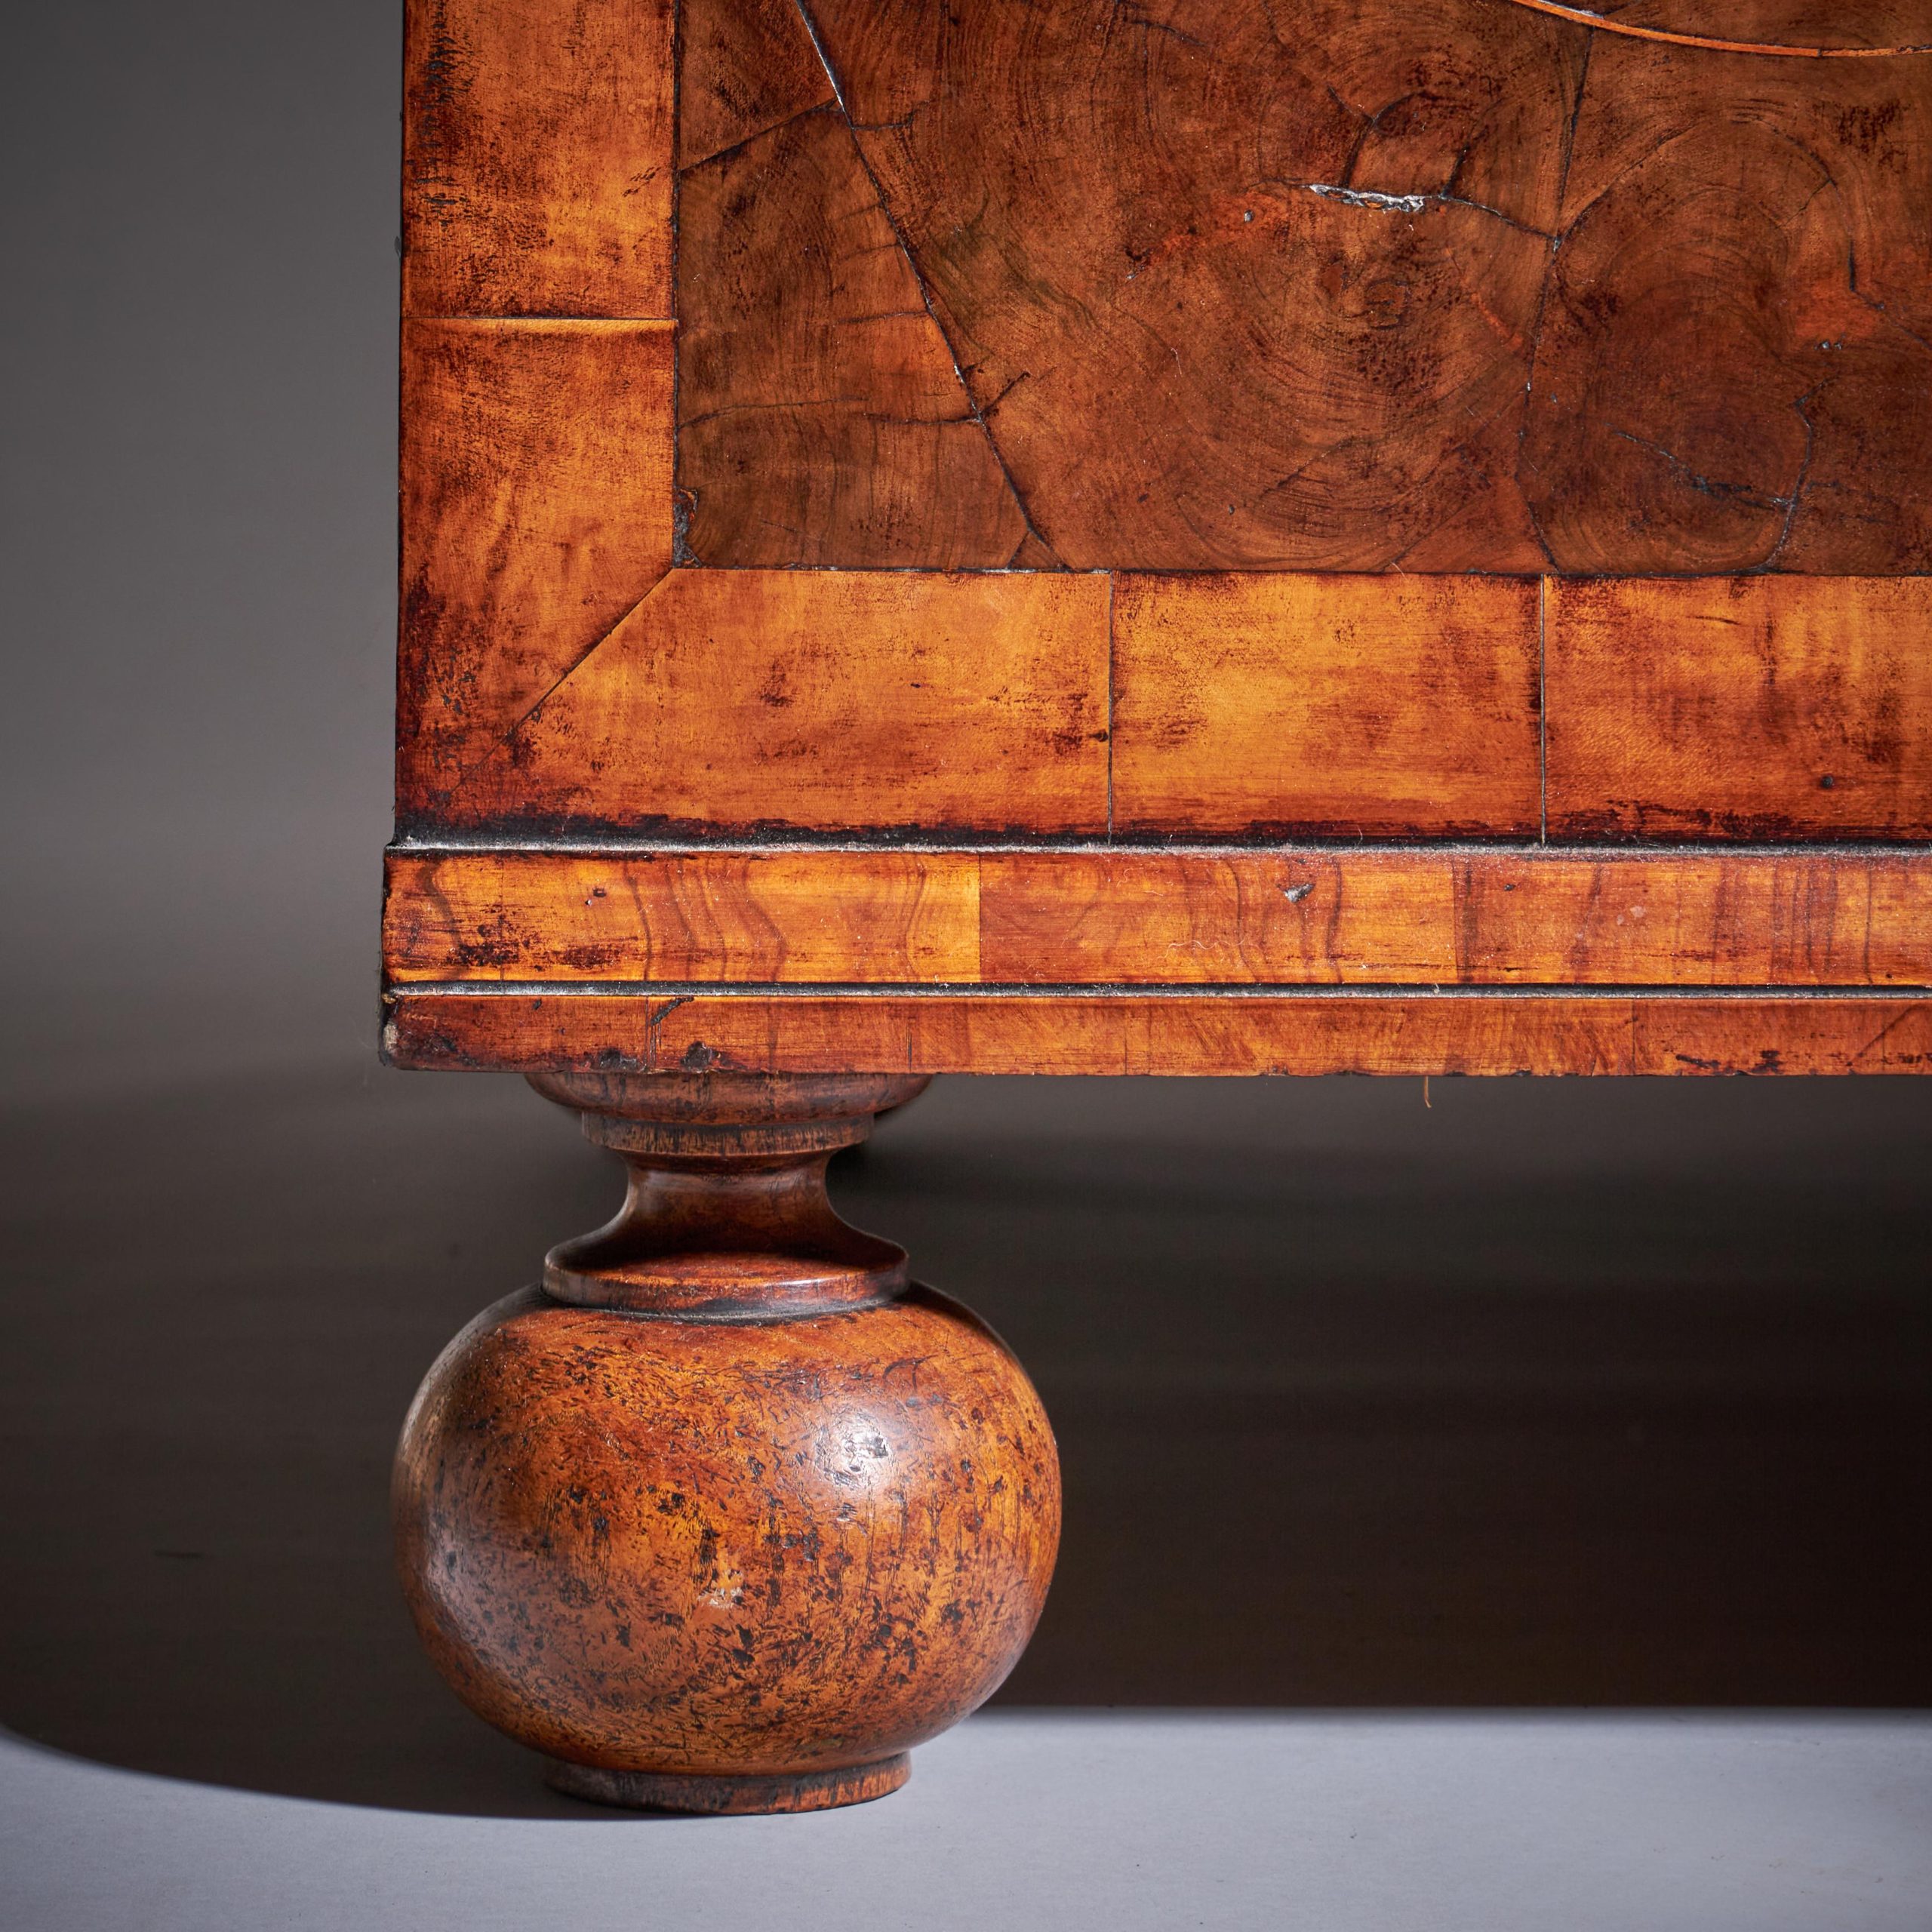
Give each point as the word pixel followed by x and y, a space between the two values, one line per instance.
pixel 726 1516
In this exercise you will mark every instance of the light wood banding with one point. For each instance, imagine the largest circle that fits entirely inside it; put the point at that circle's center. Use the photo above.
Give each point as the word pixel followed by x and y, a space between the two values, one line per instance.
pixel 1307 917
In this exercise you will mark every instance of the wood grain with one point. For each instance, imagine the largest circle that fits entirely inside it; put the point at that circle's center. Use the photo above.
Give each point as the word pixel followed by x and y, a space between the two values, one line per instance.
pixel 1751 707
pixel 744 66
pixel 1198 1034
pixel 1776 29
pixel 1191 348
pixel 536 499
pixel 1050 379
pixel 1451 285
pixel 821 419
pixel 774 915
pixel 536 157
pixel 1280 705
pixel 1471 918
pixel 719 1548
pixel 796 1521
pixel 824 700
pixel 1735 365
pixel 1060 917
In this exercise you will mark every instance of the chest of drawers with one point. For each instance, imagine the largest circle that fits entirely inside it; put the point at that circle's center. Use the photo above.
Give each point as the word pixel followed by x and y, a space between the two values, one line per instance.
pixel 1211 536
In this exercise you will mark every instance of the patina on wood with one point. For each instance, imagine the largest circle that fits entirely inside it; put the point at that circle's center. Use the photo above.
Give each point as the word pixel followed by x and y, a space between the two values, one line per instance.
pixel 1337 285
pixel 1760 707
pixel 1310 915
pixel 1314 1030
pixel 537 158
pixel 537 512
pixel 727 1516
pixel 1271 705
pixel 728 701
pixel 1371 535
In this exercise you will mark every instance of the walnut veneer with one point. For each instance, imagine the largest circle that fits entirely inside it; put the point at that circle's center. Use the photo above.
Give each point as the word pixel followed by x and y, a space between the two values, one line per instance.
pixel 1204 536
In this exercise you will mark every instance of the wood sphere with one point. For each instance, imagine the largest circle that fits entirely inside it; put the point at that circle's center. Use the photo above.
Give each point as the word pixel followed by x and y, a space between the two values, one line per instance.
pixel 727 1564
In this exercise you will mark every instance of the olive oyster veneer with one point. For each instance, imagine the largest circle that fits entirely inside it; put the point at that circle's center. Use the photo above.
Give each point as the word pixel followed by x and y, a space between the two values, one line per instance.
pixel 1211 536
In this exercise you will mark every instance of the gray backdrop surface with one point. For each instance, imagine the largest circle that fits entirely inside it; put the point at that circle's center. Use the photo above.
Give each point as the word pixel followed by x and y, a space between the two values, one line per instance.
pixel 199 528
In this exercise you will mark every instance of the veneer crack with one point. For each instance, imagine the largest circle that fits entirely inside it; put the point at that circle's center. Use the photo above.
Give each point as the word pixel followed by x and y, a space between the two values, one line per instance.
pixel 758 134
pixel 925 294
pixel 1542 304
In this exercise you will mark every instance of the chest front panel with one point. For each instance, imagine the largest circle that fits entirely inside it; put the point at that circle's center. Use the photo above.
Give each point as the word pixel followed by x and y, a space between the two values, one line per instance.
pixel 1208 536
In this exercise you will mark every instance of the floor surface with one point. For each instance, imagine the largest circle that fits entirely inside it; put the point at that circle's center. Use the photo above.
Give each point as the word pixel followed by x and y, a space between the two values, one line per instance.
pixel 1122 1822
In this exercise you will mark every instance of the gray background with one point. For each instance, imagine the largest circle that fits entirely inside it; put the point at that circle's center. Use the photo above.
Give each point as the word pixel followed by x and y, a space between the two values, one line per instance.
pixel 1541 1395
pixel 200 210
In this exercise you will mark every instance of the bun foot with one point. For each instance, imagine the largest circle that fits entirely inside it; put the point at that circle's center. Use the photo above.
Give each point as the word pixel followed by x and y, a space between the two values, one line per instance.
pixel 727 1516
